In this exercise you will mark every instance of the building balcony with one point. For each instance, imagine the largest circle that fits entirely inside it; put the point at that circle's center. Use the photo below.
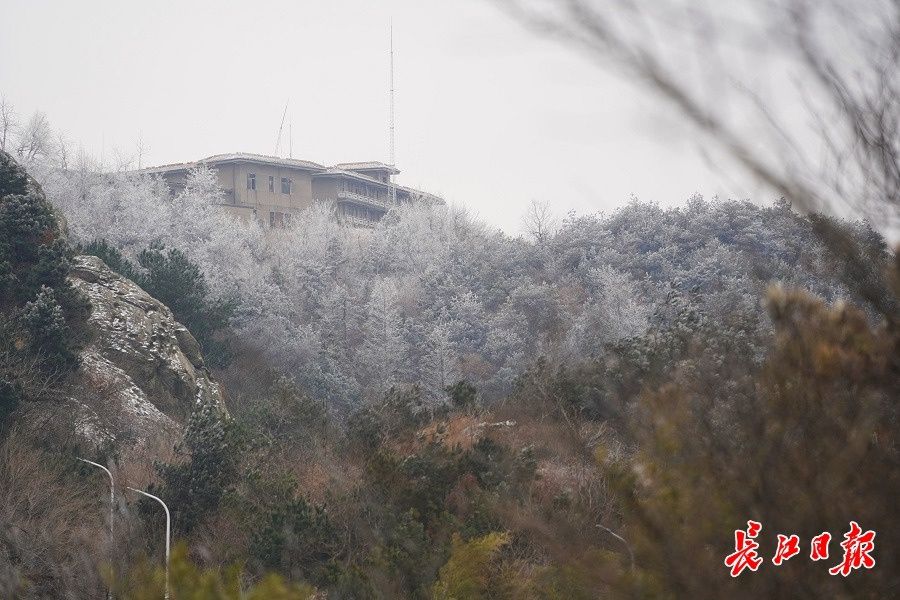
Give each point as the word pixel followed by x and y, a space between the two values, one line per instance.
pixel 360 198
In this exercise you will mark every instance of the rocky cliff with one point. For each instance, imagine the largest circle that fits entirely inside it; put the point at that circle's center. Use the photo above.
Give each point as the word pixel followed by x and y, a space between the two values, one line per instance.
pixel 141 373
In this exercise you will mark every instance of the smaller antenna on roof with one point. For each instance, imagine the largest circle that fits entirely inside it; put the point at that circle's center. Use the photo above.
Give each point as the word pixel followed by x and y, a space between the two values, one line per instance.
pixel 281 127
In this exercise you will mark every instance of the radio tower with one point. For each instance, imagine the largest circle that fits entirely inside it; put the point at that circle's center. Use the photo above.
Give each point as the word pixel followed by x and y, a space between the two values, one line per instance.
pixel 393 186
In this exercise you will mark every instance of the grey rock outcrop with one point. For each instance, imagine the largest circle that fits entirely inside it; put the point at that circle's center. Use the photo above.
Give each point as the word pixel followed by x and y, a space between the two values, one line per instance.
pixel 142 372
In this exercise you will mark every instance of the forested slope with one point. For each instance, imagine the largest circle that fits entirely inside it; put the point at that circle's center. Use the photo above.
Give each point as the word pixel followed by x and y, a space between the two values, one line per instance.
pixel 432 296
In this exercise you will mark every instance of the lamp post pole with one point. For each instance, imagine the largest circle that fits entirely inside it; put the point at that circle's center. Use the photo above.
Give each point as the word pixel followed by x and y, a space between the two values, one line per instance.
pixel 112 507
pixel 168 532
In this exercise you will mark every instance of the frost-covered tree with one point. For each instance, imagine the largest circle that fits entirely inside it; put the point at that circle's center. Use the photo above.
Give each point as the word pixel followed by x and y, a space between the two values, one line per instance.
pixel 439 366
pixel 615 310
pixel 382 356
pixel 7 122
pixel 539 221
pixel 35 140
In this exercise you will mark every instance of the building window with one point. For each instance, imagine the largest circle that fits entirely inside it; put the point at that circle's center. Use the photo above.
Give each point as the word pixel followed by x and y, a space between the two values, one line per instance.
pixel 251 181
pixel 271 183
pixel 286 185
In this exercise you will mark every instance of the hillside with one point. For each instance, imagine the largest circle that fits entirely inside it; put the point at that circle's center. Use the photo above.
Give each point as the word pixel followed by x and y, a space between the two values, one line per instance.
pixel 435 410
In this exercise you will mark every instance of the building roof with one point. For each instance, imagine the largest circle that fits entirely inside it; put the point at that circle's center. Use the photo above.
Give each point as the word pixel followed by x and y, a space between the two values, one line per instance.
pixel 235 157
pixel 372 165
pixel 262 158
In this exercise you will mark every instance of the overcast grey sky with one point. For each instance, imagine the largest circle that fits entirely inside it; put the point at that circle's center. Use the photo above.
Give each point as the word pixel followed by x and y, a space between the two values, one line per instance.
pixel 488 115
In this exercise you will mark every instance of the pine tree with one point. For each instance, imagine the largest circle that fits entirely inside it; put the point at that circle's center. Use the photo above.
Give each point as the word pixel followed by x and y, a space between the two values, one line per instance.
pixel 194 488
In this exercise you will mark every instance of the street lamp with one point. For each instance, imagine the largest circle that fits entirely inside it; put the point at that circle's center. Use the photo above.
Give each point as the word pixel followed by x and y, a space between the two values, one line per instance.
pixel 112 506
pixel 168 532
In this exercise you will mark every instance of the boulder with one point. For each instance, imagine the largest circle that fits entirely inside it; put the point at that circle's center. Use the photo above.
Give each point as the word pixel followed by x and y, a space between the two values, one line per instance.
pixel 142 372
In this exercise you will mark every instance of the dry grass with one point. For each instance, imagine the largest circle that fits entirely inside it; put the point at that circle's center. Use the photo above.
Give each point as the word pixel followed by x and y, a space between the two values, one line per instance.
pixel 460 431
pixel 52 531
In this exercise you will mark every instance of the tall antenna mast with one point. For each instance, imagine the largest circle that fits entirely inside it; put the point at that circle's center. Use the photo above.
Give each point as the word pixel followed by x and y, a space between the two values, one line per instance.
pixel 393 159
pixel 281 127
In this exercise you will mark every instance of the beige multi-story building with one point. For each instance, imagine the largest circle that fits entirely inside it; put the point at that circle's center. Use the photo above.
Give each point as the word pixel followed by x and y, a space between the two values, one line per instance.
pixel 271 189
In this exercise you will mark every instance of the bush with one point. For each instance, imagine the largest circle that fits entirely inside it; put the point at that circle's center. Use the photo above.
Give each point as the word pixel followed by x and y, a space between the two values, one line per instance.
pixel 27 224
pixel 188 581
pixel 194 488
pixel 34 264
pixel 174 280
pixel 289 416
pixel 401 409
pixel 812 448
pixel 11 395
pixel 114 259
pixel 462 395
pixel 13 179
pixel 408 553
pixel 469 570
pixel 49 334
pixel 297 538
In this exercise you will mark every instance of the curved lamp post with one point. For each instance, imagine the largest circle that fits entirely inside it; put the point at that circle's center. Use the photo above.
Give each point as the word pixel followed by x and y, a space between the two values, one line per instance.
pixel 112 507
pixel 168 532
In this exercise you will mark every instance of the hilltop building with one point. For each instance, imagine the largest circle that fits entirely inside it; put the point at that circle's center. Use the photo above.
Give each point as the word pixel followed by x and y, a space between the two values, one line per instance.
pixel 271 189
